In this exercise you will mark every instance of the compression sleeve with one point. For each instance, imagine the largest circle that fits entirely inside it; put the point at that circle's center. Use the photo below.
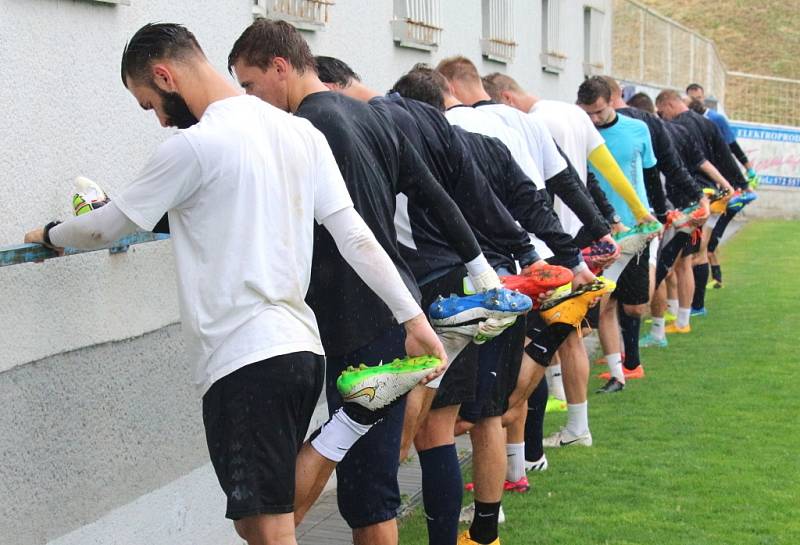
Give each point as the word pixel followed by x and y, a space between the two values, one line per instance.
pixel 416 181
pixel 98 229
pixel 739 153
pixel 604 162
pixel 358 246
pixel 655 191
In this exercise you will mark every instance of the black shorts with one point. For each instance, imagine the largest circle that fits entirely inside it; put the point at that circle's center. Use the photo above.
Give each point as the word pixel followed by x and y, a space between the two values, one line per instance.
pixel 256 419
pixel 460 380
pixel 499 361
pixel 633 287
pixel 366 479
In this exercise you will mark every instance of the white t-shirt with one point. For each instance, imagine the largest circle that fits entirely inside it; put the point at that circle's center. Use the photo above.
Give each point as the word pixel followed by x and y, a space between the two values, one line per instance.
pixel 474 120
pixel 536 136
pixel 576 136
pixel 243 188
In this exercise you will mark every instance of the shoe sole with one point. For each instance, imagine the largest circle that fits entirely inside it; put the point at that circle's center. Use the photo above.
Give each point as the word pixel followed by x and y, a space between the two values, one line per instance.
pixel 376 387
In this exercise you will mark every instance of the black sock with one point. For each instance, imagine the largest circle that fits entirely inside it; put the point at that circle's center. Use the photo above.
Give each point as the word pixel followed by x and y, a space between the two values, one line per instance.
pixel 716 273
pixel 630 327
pixel 700 281
pixel 442 491
pixel 484 524
pixel 534 424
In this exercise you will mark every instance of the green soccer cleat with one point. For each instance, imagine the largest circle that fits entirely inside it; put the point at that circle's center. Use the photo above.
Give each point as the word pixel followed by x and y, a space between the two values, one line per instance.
pixel 635 239
pixel 376 387
pixel 555 405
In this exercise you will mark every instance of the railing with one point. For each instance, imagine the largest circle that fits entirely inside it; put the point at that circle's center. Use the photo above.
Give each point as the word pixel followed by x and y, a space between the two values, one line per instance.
pixel 304 14
pixel 652 50
pixel 763 99
pixel 418 23
pixel 32 253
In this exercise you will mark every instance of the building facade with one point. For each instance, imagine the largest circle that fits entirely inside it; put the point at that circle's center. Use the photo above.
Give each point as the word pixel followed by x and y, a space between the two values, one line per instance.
pixel 102 438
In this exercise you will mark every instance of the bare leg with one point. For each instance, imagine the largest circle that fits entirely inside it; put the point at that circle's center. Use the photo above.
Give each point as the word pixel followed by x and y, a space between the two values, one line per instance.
pixel 383 533
pixel 658 303
pixel 418 404
pixel 267 529
pixel 437 429
pixel 312 471
pixel 488 459
pixel 685 275
pixel 608 327
pixel 575 366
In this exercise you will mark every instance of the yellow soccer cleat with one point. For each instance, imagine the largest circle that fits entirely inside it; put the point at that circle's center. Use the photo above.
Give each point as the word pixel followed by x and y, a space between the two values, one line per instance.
pixel 673 328
pixel 464 539
pixel 571 308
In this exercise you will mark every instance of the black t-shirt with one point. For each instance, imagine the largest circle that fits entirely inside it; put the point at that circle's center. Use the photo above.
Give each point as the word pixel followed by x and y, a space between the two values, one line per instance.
pixel 681 187
pixel 712 145
pixel 376 162
pixel 690 153
pixel 426 251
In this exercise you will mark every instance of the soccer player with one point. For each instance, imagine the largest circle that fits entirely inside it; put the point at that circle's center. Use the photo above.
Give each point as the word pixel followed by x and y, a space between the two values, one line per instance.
pixel 710 141
pixel 272 61
pixel 629 142
pixel 243 184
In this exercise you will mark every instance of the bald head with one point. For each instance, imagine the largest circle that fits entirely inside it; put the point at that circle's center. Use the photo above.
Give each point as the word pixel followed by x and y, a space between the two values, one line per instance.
pixel 505 90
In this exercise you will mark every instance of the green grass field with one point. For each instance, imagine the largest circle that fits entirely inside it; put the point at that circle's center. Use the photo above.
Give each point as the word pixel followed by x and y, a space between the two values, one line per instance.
pixel 706 448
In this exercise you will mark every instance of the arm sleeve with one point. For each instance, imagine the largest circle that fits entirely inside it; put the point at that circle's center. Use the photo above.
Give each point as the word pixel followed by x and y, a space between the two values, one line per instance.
pixel 168 181
pixel 364 254
pixel 568 187
pixel 418 183
pixel 739 153
pixel 93 231
pixel 482 208
pixel 655 191
pixel 604 162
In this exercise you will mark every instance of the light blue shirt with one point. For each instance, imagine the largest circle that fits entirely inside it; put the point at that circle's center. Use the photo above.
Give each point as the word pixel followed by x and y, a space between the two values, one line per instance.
pixel 629 142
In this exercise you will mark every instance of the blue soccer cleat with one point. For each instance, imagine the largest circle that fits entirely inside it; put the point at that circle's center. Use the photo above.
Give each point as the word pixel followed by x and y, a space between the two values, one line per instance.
pixel 465 314
pixel 740 200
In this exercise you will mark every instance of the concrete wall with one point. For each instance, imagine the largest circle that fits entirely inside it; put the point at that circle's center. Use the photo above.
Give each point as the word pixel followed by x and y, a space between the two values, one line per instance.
pixel 101 434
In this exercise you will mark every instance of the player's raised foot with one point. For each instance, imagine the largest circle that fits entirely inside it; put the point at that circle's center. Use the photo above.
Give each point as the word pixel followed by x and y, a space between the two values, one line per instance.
pixel 638 372
pixel 649 341
pixel 570 308
pixel 538 465
pixel 555 405
pixel 464 314
pixel 597 253
pixel 634 240
pixel 87 197
pixel 611 387
pixel 674 328
pixel 680 221
pixel 740 200
pixel 535 281
pixel 377 387
pixel 565 438
pixel 719 200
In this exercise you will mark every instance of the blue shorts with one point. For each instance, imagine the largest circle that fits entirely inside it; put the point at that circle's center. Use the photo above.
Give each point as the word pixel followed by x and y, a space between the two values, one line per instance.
pixel 366 488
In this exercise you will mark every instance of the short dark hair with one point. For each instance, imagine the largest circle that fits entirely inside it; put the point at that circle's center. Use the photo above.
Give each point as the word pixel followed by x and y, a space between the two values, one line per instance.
pixel 592 89
pixel 265 39
pixel 694 87
pixel 668 95
pixel 697 105
pixel 333 70
pixel 423 83
pixel 154 42
pixel 642 101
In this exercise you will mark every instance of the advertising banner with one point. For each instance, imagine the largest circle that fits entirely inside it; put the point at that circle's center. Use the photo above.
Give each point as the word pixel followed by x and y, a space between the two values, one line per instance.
pixel 774 151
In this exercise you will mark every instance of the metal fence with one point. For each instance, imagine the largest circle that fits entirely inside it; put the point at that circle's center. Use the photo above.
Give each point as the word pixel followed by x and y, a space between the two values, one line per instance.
pixel 652 50
pixel 763 99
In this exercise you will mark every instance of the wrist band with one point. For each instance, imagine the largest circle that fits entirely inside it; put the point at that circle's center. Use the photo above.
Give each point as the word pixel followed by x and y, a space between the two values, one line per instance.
pixel 46 233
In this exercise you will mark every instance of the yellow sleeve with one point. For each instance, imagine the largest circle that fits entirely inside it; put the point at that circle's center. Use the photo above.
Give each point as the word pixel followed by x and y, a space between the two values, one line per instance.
pixel 604 162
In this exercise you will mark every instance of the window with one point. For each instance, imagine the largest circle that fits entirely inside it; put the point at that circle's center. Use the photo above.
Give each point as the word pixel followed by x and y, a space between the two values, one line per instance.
pixel 303 14
pixel 498 42
pixel 417 24
pixel 553 60
pixel 593 64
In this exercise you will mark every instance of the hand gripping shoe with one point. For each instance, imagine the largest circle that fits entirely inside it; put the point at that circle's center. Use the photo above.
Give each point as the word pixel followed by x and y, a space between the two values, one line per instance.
pixel 599 251
pixel 376 387
pixel 535 281
pixel 465 314
pixel 88 196
pixel 740 200
pixel 570 308
pixel 636 238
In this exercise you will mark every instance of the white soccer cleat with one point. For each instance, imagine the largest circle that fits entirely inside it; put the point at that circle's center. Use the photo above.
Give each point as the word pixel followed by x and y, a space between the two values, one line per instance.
pixel 565 438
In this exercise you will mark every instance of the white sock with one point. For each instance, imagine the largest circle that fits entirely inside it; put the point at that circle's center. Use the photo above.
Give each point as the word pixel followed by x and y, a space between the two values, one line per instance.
pixel 337 436
pixel 683 317
pixel 672 306
pixel 615 366
pixel 657 329
pixel 578 418
pixel 615 270
pixel 555 382
pixel 515 469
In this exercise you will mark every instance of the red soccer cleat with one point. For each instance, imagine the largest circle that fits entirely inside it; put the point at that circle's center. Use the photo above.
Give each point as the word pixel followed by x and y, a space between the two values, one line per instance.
pixel 628 373
pixel 537 280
